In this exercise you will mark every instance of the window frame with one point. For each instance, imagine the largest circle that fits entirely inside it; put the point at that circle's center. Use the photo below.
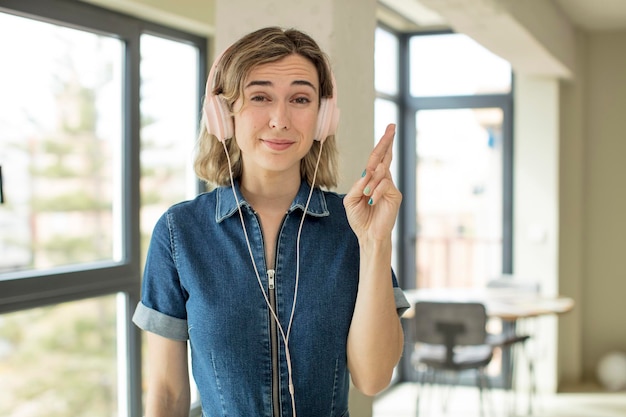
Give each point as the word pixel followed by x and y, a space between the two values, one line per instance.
pixel 37 288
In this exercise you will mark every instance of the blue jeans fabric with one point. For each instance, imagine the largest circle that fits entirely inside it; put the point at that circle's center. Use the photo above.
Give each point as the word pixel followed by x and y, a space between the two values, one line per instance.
pixel 200 284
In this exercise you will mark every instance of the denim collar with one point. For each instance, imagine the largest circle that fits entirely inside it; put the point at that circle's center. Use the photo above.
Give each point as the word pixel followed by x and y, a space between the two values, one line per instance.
pixel 226 204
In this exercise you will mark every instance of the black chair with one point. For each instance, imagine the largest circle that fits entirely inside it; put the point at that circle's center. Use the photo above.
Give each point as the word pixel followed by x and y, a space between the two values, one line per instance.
pixel 451 336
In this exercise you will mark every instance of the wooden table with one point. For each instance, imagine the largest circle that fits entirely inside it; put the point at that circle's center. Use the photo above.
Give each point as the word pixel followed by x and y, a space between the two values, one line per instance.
pixel 505 304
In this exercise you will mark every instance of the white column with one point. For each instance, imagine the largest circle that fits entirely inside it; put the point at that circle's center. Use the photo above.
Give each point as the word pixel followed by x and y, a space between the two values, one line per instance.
pixel 536 205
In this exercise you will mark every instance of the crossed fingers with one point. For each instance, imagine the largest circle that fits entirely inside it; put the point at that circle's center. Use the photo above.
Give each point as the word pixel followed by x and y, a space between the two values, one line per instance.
pixel 378 164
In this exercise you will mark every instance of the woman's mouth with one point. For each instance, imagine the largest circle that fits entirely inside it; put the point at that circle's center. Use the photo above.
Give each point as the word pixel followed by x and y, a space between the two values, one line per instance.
pixel 278 144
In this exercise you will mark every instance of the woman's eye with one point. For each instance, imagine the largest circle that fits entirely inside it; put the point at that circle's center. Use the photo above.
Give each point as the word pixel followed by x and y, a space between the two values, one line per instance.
pixel 302 100
pixel 258 98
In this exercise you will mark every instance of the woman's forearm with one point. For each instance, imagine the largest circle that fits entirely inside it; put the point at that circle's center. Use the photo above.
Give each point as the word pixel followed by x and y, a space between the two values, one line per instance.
pixel 168 392
pixel 375 339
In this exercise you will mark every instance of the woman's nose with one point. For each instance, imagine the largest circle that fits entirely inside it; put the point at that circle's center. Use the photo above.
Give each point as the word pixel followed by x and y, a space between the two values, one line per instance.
pixel 279 118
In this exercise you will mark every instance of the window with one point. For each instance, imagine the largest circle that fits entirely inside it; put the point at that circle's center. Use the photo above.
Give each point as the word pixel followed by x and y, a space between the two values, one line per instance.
pixel 98 114
pixel 386 62
pixel 452 100
pixel 459 114
pixel 169 118
pixel 61 115
pixel 453 64
pixel 60 360
pixel 458 196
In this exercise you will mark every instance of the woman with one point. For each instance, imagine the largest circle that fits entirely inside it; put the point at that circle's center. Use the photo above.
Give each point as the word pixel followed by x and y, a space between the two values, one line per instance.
pixel 283 289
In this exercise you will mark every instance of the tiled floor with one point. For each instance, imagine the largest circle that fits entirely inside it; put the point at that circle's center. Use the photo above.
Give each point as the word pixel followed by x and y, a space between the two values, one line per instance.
pixel 464 402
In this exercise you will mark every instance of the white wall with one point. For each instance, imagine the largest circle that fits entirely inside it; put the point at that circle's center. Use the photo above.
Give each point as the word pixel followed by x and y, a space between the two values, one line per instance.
pixel 572 216
pixel 536 204
pixel 604 285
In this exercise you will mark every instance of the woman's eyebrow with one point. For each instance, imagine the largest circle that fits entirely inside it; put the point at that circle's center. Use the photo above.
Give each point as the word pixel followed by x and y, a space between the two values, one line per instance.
pixel 304 82
pixel 269 83
pixel 258 82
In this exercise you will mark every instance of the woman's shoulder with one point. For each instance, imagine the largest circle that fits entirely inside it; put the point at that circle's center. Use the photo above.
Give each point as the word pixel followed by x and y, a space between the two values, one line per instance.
pixel 333 198
pixel 333 194
pixel 334 205
pixel 202 202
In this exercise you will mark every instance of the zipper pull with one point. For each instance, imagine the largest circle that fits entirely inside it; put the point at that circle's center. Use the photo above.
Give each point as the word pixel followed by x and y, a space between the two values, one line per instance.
pixel 270 278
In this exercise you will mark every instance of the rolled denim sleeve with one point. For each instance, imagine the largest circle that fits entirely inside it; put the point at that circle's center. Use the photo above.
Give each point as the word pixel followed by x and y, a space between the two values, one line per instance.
pixel 402 304
pixel 162 308
pixel 152 321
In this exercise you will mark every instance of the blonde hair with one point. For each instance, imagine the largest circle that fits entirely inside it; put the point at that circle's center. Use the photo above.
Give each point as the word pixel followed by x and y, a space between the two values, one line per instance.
pixel 261 47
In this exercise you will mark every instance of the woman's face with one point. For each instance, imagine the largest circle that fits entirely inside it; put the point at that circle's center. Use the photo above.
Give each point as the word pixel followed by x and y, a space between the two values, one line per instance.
pixel 276 116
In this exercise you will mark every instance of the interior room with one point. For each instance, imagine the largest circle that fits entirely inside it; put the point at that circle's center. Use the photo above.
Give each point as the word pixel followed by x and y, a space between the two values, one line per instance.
pixel 561 204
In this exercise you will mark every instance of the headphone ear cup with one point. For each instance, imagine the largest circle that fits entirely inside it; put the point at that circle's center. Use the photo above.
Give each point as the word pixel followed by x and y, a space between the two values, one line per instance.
pixel 327 119
pixel 328 115
pixel 218 120
pixel 217 117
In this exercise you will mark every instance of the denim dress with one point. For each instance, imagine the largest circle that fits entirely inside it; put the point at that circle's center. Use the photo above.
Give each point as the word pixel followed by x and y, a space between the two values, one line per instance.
pixel 200 285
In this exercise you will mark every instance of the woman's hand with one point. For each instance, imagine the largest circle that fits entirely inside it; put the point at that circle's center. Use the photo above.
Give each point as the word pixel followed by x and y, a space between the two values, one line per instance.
pixel 375 339
pixel 373 202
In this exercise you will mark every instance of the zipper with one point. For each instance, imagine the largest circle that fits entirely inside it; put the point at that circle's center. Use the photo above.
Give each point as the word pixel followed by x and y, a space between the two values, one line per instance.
pixel 274 335
pixel 271 283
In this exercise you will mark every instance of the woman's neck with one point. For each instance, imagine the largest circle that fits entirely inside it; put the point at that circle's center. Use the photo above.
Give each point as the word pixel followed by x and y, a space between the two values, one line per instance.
pixel 270 193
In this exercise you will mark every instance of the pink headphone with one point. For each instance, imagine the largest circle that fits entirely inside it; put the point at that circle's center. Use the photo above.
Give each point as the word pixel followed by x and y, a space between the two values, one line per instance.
pixel 219 121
